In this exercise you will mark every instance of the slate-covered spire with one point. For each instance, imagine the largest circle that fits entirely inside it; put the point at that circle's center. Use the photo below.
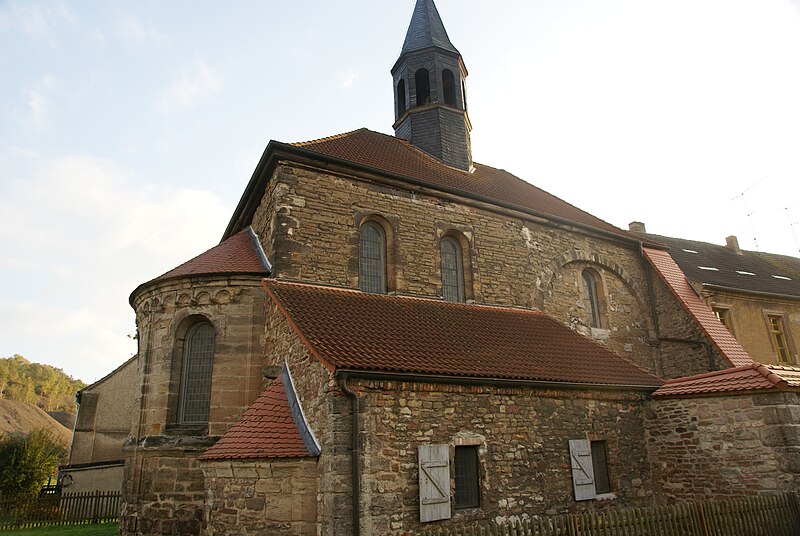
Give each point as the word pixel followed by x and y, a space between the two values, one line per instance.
pixel 429 91
pixel 426 29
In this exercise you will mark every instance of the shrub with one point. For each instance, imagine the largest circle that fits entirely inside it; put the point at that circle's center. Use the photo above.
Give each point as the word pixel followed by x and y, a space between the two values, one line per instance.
pixel 26 461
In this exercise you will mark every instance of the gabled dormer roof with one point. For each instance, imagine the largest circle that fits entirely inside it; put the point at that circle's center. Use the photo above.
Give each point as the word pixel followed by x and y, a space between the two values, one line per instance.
pixel 274 426
pixel 426 30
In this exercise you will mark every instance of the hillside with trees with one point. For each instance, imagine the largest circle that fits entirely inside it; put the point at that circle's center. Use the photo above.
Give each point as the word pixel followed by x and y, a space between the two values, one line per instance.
pixel 45 386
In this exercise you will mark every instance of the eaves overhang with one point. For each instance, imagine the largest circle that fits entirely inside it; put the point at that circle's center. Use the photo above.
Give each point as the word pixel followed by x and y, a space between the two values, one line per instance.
pixel 750 292
pixel 489 381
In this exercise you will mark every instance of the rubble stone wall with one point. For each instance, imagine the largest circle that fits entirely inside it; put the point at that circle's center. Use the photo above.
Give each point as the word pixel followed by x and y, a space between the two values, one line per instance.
pixel 724 446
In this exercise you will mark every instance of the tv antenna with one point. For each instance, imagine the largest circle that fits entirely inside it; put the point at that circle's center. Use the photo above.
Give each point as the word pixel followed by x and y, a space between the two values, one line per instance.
pixel 747 210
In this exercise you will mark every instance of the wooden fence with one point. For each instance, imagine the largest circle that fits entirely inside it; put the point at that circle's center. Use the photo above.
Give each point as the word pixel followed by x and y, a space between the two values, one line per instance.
pixel 60 509
pixel 774 515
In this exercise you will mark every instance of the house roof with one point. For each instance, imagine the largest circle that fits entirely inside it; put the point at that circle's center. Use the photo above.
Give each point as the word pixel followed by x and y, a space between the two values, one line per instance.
pixel 398 157
pixel 718 334
pixel 351 330
pixel 752 377
pixel 426 29
pixel 750 271
pixel 239 254
pixel 272 427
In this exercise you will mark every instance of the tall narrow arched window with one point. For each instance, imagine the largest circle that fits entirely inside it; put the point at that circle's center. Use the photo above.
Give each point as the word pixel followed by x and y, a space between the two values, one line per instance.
pixel 452 270
pixel 591 299
pixel 422 85
pixel 198 360
pixel 372 259
pixel 449 87
pixel 401 98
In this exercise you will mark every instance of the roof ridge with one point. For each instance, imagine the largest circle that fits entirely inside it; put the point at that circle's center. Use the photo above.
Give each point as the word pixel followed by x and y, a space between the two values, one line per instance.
pixel 713 373
pixel 328 138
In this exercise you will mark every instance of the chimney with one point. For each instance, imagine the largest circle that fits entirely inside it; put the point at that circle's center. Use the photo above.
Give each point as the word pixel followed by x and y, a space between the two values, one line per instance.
pixel 636 227
pixel 732 243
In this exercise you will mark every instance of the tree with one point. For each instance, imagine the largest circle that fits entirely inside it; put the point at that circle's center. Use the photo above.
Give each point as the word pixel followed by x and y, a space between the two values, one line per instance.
pixel 26 461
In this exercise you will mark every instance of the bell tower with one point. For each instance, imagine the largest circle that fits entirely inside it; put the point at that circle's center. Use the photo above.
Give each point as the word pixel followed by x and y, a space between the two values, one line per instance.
pixel 429 93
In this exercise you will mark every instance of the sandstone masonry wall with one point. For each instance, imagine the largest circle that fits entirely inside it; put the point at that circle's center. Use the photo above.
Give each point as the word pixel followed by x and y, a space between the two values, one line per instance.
pixel 724 446
pixel 511 259
pixel 163 491
pixel 257 497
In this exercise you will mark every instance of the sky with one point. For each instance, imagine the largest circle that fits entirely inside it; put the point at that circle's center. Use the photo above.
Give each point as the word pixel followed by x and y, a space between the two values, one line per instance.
pixel 128 130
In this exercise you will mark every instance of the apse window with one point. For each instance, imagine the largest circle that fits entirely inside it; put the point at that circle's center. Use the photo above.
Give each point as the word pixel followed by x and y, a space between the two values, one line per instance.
pixel 467 477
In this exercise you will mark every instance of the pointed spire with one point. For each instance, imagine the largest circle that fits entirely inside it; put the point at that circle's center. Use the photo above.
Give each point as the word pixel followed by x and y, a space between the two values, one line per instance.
pixel 426 29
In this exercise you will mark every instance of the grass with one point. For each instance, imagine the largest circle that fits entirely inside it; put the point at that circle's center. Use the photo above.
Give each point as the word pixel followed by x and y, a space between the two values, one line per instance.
pixel 106 529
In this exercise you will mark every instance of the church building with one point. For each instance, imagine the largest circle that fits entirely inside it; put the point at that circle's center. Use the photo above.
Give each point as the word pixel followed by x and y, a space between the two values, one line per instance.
pixel 392 336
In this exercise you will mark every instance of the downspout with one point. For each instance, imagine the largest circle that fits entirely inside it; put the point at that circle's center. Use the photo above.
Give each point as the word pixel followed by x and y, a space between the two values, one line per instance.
pixel 355 466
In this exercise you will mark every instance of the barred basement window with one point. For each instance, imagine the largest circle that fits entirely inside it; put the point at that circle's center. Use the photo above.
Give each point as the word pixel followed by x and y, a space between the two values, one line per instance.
pixel 372 259
pixel 198 357
pixel 467 492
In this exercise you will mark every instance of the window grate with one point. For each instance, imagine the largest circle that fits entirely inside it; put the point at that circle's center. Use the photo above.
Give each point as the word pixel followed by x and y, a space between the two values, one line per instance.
pixel 372 259
pixel 467 492
pixel 452 270
pixel 197 367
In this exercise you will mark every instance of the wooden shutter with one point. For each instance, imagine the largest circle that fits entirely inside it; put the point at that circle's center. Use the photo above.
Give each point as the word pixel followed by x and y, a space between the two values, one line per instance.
pixel 580 454
pixel 434 482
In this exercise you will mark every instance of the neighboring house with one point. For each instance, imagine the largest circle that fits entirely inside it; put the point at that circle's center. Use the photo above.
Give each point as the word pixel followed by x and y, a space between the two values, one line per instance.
pixel 101 429
pixel 755 295
pixel 391 335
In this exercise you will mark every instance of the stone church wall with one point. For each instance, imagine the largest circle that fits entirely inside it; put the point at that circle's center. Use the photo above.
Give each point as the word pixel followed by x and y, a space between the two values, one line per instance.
pixel 510 259
pixel 163 482
pixel 724 446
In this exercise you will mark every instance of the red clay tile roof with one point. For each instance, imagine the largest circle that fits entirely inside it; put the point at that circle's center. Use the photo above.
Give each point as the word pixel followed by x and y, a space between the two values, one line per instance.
pixel 399 157
pixel 676 281
pixel 266 429
pixel 753 377
pixel 236 255
pixel 352 330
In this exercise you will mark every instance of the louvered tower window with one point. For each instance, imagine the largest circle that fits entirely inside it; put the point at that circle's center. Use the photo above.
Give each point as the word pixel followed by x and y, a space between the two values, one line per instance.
pixel 198 361
pixel 372 259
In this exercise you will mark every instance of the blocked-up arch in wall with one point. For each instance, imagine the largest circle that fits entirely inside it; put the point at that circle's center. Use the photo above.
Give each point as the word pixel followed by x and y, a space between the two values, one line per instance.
pixel 556 266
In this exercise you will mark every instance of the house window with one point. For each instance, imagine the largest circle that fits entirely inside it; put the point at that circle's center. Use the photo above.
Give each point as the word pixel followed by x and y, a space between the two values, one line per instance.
pixel 198 356
pixel 778 338
pixel 372 259
pixel 467 479
pixel 422 83
pixel 589 463
pixel 452 270
pixel 723 314
pixel 591 287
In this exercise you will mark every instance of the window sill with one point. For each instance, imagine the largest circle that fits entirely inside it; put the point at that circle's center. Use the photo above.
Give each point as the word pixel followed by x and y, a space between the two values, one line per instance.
pixel 186 430
pixel 610 496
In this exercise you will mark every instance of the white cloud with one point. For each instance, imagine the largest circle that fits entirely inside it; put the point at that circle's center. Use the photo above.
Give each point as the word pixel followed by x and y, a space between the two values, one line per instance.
pixel 133 35
pixel 196 84
pixel 78 235
pixel 36 21
pixel 39 101
pixel 347 78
